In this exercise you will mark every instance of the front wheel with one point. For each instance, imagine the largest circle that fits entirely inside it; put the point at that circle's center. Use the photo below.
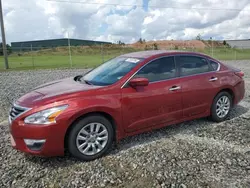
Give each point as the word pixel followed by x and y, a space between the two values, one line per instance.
pixel 221 106
pixel 90 138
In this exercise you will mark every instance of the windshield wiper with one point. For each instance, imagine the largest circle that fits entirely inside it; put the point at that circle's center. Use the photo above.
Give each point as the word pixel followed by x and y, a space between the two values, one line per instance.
pixel 87 82
pixel 80 79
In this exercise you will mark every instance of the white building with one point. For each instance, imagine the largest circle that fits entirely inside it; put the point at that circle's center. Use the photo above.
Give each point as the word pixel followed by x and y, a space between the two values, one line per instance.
pixel 242 44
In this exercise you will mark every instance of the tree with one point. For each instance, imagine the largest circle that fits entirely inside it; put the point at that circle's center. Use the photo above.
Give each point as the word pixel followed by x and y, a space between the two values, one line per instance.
pixel 120 43
pixel 198 37
pixel 140 40
pixel 9 50
pixel 224 43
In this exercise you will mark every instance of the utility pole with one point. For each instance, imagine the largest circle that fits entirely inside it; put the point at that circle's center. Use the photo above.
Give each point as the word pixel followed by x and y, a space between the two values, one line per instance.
pixel 70 57
pixel 212 46
pixel 3 37
pixel 102 53
pixel 31 50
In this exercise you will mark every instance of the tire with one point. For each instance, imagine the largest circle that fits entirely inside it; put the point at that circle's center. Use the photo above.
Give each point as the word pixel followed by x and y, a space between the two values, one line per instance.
pixel 216 108
pixel 78 138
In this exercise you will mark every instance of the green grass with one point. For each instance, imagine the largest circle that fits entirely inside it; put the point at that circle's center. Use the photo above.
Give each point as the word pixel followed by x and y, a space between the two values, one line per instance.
pixel 59 58
pixel 228 53
pixel 46 61
pixel 87 58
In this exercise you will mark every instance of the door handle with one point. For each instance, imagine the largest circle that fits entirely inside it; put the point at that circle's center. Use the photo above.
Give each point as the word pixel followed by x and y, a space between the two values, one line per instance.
pixel 213 79
pixel 174 88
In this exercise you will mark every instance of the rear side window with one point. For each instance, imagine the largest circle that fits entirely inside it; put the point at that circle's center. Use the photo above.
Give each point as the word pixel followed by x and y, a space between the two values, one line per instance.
pixel 159 69
pixel 214 64
pixel 191 65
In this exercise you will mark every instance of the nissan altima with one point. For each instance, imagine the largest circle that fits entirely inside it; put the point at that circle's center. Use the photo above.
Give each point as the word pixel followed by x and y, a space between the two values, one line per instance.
pixel 127 95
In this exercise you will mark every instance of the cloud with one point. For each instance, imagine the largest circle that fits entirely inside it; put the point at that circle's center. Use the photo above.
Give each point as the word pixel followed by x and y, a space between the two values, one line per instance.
pixel 24 21
pixel 187 20
pixel 179 19
pixel 126 26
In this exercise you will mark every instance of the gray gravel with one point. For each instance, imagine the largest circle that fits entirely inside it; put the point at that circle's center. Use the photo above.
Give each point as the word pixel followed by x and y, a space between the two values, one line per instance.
pixel 197 153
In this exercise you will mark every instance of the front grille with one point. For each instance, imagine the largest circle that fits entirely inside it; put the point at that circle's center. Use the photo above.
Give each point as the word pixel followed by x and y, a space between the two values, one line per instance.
pixel 16 111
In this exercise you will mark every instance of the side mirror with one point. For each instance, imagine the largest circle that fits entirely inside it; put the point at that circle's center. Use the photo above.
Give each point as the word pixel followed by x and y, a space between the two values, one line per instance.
pixel 135 82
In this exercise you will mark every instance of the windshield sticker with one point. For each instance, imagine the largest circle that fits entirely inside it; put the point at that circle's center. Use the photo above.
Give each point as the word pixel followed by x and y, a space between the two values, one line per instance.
pixel 132 60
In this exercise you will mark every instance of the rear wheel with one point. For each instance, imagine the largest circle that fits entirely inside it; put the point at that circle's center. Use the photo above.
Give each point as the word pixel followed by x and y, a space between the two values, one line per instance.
pixel 221 106
pixel 90 138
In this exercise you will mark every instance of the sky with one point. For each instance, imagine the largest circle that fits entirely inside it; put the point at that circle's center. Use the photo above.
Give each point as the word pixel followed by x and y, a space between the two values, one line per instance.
pixel 150 19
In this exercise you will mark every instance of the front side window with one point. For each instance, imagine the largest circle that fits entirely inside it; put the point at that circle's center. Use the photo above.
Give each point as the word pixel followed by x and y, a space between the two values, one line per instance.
pixel 159 69
pixel 191 65
pixel 111 71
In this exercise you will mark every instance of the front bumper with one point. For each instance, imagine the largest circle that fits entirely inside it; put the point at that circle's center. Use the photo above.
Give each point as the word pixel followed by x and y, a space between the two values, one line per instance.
pixel 52 135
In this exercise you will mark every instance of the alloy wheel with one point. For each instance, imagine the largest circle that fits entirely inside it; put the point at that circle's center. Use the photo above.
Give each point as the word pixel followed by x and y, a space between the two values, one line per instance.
pixel 92 139
pixel 222 106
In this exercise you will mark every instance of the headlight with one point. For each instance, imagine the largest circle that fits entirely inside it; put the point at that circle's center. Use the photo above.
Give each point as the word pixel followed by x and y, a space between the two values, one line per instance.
pixel 46 116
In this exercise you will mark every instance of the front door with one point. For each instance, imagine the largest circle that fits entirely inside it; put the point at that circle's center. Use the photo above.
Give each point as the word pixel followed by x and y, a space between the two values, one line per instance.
pixel 157 103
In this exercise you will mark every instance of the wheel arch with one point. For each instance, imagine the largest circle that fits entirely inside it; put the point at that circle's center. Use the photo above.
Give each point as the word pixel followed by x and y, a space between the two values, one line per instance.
pixel 102 113
pixel 228 90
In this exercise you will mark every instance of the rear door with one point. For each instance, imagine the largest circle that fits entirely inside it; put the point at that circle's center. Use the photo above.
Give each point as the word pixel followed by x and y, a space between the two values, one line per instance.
pixel 157 103
pixel 199 83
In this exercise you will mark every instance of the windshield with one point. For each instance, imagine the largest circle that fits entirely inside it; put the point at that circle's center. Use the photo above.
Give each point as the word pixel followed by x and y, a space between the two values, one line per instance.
pixel 111 71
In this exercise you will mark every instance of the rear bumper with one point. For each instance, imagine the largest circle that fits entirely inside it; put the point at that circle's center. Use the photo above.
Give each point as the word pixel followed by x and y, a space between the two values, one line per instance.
pixel 239 92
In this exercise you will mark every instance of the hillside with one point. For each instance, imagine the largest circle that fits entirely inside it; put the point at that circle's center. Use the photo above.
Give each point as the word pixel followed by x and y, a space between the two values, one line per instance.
pixel 170 44
pixel 176 44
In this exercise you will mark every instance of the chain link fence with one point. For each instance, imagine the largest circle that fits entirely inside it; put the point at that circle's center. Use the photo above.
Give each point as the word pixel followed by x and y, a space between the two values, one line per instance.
pixel 92 56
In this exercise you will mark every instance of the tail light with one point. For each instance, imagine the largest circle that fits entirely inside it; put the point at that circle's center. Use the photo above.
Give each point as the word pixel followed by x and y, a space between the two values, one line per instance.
pixel 240 74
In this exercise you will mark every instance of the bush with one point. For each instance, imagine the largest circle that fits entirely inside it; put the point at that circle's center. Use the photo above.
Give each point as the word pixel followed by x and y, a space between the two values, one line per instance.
pixel 155 45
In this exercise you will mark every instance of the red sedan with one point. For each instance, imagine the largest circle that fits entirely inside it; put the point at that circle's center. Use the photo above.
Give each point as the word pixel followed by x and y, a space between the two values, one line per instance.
pixel 127 95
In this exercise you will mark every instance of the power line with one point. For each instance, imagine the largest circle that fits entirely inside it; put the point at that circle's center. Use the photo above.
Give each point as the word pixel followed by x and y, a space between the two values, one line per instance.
pixel 151 6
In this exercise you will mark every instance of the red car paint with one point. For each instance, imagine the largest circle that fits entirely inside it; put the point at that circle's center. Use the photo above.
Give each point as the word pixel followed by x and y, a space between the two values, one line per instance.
pixel 133 110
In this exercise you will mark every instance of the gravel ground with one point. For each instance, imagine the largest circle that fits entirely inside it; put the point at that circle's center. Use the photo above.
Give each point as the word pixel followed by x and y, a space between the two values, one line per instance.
pixel 197 153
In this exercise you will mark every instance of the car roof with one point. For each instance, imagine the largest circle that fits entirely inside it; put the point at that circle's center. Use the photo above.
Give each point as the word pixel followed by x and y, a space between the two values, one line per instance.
pixel 150 53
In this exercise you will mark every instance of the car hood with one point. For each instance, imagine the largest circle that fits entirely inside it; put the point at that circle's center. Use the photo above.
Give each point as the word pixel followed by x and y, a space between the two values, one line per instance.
pixel 51 89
